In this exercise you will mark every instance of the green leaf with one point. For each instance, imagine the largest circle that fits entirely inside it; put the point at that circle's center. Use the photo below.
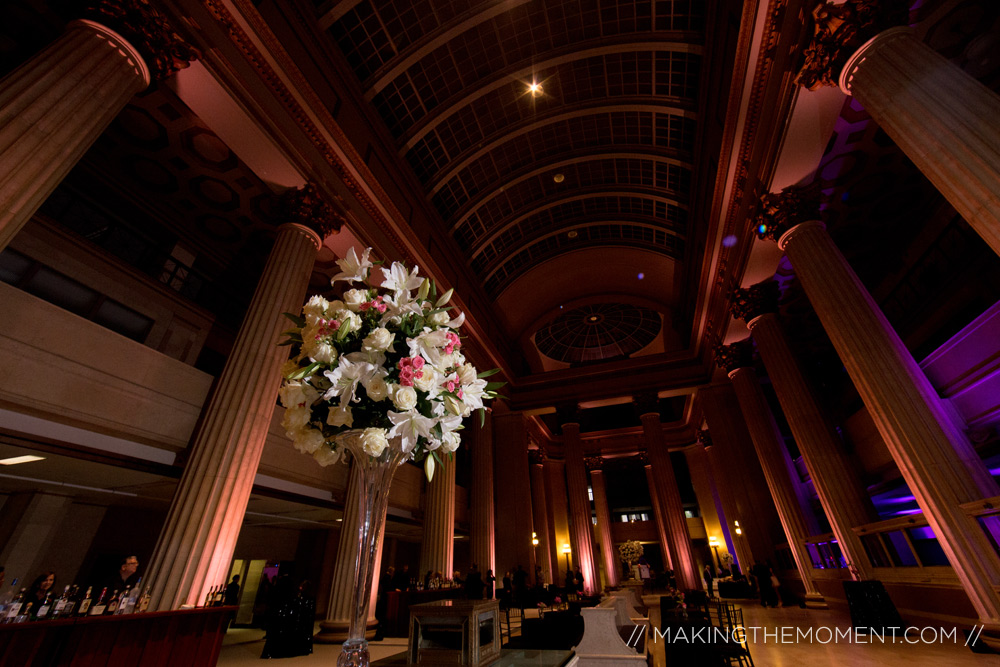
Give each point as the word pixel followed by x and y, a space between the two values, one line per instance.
pixel 486 374
pixel 299 321
pixel 493 386
pixel 482 417
pixel 305 372
pixel 287 342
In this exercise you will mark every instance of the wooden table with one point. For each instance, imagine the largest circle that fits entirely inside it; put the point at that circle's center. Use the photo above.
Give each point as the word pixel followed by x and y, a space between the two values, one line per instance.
pixel 455 632
pixel 188 638
pixel 398 603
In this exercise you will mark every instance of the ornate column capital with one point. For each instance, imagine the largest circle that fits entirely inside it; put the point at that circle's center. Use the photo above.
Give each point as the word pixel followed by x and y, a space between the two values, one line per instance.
pixel 537 456
pixel 647 403
pixel 839 31
pixel 308 207
pixel 780 211
pixel 642 458
pixel 704 438
pixel 735 356
pixel 164 51
pixel 750 303
pixel 593 463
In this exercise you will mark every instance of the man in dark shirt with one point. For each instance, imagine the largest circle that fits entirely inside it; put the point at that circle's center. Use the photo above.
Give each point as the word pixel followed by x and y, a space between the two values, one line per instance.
pixel 127 576
pixel 474 584
pixel 233 591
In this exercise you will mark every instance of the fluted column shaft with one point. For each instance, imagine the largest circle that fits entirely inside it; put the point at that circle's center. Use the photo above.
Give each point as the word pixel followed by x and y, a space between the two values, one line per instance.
pixel 837 483
pixel 940 117
pixel 604 526
pixel 334 629
pixel 540 514
pixel 712 513
pixel 195 548
pixel 481 534
pixel 661 522
pixel 734 461
pixel 937 461
pixel 437 550
pixel 778 469
pixel 579 507
pixel 558 514
pixel 54 107
pixel 513 494
pixel 671 506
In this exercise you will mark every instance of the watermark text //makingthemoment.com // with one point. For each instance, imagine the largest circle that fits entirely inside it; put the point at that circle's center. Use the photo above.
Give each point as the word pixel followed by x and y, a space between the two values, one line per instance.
pixel 756 634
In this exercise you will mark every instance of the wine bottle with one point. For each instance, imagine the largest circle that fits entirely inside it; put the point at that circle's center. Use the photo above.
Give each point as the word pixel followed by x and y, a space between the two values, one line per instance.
pixel 119 605
pixel 14 608
pixel 144 601
pixel 25 613
pixel 98 607
pixel 85 603
pixel 60 604
pixel 208 597
pixel 112 605
pixel 46 606
pixel 220 596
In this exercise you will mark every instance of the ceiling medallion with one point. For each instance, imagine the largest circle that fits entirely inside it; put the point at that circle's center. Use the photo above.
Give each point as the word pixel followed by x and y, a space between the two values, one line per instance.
pixel 598 332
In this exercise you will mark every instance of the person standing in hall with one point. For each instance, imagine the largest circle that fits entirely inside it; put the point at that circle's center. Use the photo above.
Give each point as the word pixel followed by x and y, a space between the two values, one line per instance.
pixel 520 586
pixel 491 581
pixel 232 595
pixel 474 584
pixel 709 579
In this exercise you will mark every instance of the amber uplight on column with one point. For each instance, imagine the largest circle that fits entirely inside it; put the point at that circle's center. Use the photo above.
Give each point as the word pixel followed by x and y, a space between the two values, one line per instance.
pixel 481 533
pixel 940 117
pixel 668 495
pixel 57 104
pixel 437 549
pixel 662 535
pixel 579 506
pixel 195 548
pixel 939 464
pixel 594 465
pixel 513 494
pixel 838 485
pixel 736 360
pixel 545 554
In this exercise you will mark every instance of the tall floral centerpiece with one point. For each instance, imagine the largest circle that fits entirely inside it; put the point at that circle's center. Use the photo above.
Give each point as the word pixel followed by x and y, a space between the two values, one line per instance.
pixel 380 374
pixel 630 552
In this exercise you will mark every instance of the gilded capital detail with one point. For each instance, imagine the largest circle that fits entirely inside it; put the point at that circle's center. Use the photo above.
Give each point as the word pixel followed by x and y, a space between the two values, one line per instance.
pixel 780 211
pixel 642 458
pixel 593 463
pixel 731 357
pixel 756 300
pixel 840 30
pixel 537 456
pixel 704 438
pixel 307 206
pixel 164 51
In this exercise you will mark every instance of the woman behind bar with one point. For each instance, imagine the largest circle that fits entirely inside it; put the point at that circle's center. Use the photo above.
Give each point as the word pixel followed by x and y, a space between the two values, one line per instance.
pixel 39 590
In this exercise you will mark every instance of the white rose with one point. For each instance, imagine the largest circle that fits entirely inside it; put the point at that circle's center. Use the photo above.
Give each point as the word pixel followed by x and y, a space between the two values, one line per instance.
pixel 350 322
pixel 353 298
pixel 293 394
pixel 466 373
pixel 320 351
pixel 439 319
pixel 340 416
pixel 450 442
pixel 377 389
pixel 308 440
pixel 378 340
pixel 373 441
pixel 314 308
pixel 295 419
pixel 429 380
pixel 326 456
pixel 404 398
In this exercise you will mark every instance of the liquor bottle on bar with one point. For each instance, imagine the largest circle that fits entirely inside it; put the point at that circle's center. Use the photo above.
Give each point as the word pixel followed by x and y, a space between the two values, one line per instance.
pixel 144 601
pixel 112 603
pixel 98 608
pixel 59 608
pixel 220 596
pixel 121 602
pixel 208 597
pixel 130 599
pixel 85 603
pixel 25 613
pixel 14 608
pixel 45 608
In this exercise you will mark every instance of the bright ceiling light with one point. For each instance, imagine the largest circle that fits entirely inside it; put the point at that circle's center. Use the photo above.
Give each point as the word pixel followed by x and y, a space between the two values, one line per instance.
pixel 13 461
pixel 559 178
pixel 535 88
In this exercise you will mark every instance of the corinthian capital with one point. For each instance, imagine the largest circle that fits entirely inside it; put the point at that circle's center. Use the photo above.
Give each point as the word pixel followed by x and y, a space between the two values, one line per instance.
pixel 307 206
pixel 754 301
pixel 737 355
pixel 704 438
pixel 840 30
pixel 593 463
pixel 780 211
pixel 164 51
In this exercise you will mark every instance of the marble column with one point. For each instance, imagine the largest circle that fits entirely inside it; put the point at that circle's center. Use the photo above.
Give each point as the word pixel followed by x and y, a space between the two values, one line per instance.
pixel 712 514
pixel 579 507
pixel 705 465
pixel 437 549
pixel 838 485
pixel 479 440
pixel 940 117
pixel 558 514
pixel 671 507
pixel 611 567
pixel 734 461
pixel 53 107
pixel 662 536
pixel 777 465
pixel 513 494
pixel 544 550
pixel 334 629
pixel 940 465
pixel 195 547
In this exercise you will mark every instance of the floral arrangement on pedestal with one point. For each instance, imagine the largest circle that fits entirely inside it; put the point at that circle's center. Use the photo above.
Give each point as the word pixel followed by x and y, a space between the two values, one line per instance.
pixel 672 599
pixel 383 364
pixel 630 551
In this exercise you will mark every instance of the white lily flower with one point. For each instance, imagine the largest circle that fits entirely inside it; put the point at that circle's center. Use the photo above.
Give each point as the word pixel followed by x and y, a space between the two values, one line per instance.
pixel 344 379
pixel 428 344
pixel 398 280
pixel 458 321
pixel 409 426
pixel 353 269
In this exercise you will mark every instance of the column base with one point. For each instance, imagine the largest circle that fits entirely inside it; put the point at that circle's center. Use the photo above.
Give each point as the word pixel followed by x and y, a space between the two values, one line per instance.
pixel 335 632
pixel 816 601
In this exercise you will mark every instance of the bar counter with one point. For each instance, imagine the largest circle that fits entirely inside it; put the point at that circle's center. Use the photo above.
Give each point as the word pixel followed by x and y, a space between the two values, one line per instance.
pixel 188 637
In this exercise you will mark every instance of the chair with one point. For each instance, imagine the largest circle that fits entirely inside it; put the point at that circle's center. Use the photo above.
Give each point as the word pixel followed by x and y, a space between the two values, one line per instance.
pixel 507 612
pixel 730 617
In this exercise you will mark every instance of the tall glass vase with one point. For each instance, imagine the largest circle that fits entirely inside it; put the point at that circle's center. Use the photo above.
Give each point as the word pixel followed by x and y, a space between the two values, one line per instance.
pixel 375 476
